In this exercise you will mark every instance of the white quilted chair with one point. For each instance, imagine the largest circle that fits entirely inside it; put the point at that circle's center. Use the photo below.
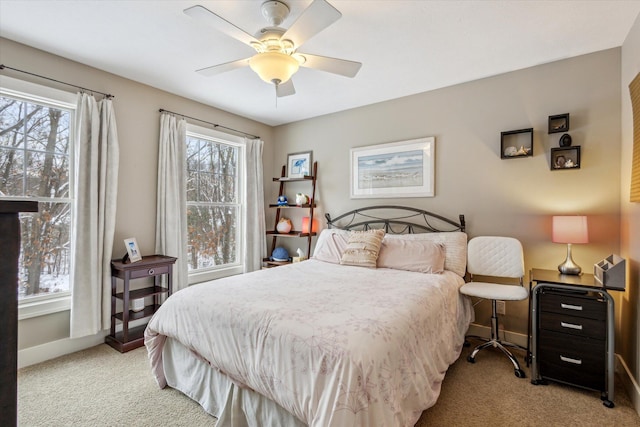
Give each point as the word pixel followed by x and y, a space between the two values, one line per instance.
pixel 496 257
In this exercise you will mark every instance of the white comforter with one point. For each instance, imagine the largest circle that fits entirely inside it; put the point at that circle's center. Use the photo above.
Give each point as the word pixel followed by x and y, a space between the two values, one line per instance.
pixel 334 345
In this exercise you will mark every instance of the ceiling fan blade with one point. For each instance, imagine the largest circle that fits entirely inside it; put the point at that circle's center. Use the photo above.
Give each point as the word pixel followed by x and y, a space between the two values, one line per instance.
pixel 223 68
pixel 315 18
pixel 331 65
pixel 207 17
pixel 285 89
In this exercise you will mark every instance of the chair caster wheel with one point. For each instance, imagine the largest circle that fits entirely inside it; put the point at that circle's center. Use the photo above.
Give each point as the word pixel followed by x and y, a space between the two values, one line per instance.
pixel 608 403
pixel 520 373
pixel 471 359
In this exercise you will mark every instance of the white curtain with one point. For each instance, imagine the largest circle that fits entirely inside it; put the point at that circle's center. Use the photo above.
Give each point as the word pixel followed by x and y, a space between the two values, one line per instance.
pixel 254 244
pixel 171 213
pixel 96 187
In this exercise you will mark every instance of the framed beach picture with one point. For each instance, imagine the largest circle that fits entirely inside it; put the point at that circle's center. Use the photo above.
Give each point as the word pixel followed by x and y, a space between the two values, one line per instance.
pixel 132 249
pixel 299 164
pixel 397 169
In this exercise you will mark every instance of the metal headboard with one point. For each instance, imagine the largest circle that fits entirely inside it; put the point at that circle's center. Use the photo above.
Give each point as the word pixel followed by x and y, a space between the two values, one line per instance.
pixel 395 220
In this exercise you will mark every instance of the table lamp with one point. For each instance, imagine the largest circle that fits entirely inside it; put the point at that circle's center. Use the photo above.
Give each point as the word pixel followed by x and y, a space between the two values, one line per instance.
pixel 570 230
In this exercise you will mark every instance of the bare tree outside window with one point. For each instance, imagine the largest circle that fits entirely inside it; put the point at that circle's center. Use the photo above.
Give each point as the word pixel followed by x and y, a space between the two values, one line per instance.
pixel 213 207
pixel 35 147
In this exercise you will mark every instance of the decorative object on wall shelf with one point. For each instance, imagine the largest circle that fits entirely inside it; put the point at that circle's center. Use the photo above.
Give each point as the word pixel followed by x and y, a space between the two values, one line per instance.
pixel 282 201
pixel 559 123
pixel 302 199
pixel 299 164
pixel 284 226
pixel 396 169
pixel 565 158
pixel 280 254
pixel 565 140
pixel 516 143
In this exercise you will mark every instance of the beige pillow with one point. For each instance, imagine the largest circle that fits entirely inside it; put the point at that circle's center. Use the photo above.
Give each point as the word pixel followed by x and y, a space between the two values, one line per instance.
pixel 412 255
pixel 363 248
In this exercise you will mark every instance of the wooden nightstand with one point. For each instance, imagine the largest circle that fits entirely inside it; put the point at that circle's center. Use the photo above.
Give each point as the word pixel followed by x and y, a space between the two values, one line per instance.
pixel 150 266
pixel 572 322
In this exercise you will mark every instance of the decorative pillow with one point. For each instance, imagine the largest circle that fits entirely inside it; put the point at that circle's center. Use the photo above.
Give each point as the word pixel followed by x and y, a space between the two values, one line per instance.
pixel 330 245
pixel 455 247
pixel 412 255
pixel 363 248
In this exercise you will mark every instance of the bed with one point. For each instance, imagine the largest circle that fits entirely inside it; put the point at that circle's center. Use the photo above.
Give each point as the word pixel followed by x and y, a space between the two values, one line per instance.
pixel 321 343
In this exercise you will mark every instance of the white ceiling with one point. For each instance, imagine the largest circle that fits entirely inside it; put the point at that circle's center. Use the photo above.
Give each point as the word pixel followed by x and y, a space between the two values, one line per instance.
pixel 406 47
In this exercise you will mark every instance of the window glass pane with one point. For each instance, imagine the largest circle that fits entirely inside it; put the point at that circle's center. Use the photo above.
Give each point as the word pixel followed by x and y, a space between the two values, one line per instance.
pixel 45 250
pixel 11 168
pixel 39 167
pixel 212 234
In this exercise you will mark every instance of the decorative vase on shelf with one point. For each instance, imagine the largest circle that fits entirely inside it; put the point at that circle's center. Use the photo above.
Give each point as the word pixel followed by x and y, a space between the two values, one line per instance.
pixel 284 226
pixel 301 199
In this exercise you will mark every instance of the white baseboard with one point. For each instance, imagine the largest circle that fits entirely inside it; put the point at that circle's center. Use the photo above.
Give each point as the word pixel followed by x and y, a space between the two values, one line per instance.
pixel 51 350
pixel 509 336
pixel 629 383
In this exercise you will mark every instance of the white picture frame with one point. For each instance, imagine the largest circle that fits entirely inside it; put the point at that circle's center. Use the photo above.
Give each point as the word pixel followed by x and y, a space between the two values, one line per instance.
pixel 133 250
pixel 396 169
pixel 299 164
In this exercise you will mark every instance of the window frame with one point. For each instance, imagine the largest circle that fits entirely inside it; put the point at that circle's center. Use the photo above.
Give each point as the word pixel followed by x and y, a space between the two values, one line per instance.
pixel 55 98
pixel 216 272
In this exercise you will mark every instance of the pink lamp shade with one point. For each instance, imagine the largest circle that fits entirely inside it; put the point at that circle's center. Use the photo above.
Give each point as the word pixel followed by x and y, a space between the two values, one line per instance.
pixel 570 229
pixel 305 225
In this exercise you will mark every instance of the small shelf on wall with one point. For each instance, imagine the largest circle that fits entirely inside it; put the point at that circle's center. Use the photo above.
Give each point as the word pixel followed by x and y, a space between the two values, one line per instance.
pixel 516 143
pixel 563 158
pixel 559 123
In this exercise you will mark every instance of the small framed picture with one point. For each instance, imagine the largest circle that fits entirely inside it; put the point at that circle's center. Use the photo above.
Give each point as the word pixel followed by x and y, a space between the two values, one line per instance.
pixel 559 123
pixel 299 164
pixel 565 158
pixel 132 249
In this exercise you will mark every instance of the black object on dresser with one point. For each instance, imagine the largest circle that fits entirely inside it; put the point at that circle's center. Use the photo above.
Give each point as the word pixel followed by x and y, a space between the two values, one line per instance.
pixel 572 332
pixel 150 266
pixel 9 254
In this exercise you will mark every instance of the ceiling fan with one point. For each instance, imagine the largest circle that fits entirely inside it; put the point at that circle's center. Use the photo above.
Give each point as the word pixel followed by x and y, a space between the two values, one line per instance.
pixel 277 57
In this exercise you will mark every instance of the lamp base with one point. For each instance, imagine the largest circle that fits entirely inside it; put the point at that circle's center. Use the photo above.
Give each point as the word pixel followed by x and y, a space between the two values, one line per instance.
pixel 569 266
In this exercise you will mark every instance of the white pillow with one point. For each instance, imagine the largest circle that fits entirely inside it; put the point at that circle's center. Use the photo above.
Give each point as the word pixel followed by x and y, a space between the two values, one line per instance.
pixel 455 247
pixel 412 255
pixel 330 245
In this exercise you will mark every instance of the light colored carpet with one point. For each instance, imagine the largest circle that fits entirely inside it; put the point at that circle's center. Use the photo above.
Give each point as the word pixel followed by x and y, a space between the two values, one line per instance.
pixel 101 387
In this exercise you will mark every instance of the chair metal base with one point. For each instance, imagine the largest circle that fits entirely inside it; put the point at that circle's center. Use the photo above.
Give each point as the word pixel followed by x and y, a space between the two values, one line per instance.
pixel 495 342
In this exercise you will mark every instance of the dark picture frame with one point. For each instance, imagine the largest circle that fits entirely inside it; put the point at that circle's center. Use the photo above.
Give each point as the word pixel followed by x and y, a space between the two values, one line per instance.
pixel 564 158
pixel 516 143
pixel 559 123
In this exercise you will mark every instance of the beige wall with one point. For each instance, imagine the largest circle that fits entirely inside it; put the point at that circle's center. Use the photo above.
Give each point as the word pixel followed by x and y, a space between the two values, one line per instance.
pixel 627 304
pixel 514 197
pixel 136 107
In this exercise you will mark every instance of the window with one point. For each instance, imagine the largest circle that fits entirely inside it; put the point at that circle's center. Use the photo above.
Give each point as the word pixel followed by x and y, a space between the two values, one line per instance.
pixel 36 146
pixel 214 204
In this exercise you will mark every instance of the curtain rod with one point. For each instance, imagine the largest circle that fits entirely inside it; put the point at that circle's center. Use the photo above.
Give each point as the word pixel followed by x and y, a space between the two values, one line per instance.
pixel 106 95
pixel 215 125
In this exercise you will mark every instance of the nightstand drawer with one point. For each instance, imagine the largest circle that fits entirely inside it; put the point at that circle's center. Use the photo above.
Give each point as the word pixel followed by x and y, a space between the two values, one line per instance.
pixel 572 305
pixel 573 360
pixel 150 272
pixel 579 326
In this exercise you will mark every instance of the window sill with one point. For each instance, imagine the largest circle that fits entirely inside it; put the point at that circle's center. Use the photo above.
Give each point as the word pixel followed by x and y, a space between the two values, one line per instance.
pixel 43 307
pixel 214 274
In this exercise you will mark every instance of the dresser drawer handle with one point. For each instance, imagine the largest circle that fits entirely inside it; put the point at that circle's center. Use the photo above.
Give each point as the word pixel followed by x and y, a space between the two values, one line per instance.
pixel 571 307
pixel 570 360
pixel 571 326
pixel 151 271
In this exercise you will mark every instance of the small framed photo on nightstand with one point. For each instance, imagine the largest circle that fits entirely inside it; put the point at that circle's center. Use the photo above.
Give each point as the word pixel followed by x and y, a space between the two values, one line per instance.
pixel 133 251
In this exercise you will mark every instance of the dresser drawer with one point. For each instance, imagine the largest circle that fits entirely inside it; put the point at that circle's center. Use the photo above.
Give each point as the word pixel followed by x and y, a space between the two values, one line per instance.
pixel 573 305
pixel 150 272
pixel 579 326
pixel 571 359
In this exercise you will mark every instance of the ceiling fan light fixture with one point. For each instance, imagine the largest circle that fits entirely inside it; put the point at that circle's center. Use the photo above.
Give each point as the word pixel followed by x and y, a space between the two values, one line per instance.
pixel 274 67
